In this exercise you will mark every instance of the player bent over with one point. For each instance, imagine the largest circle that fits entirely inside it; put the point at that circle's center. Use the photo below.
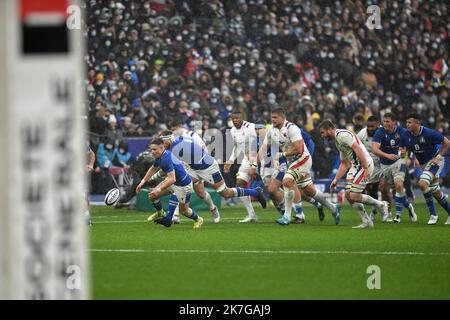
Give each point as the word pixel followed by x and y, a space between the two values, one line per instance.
pixel 386 144
pixel 353 156
pixel 287 136
pixel 176 131
pixel 178 185
pixel 423 142
pixel 202 167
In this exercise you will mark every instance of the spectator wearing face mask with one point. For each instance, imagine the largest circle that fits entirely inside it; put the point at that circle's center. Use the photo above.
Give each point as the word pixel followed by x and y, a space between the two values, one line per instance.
pixel 113 131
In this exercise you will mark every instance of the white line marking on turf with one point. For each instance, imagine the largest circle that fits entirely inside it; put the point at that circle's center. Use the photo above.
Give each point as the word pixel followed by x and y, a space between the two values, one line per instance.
pixel 127 221
pixel 390 253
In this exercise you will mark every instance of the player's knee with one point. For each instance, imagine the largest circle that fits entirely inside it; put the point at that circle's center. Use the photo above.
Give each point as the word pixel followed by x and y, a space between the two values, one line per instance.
pixel 348 196
pixel 399 187
pixel 272 189
pixel 288 183
pixel 423 184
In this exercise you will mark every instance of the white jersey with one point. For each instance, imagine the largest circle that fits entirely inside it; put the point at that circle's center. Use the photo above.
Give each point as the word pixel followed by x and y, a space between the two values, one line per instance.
pixel 284 138
pixel 244 138
pixel 344 142
pixel 193 135
pixel 367 142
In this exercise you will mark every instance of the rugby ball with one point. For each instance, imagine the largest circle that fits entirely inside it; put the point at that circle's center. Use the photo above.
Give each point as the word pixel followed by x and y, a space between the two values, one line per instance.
pixel 112 197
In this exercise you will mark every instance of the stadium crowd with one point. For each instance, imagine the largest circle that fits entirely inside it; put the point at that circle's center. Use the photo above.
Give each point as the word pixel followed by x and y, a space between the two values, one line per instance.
pixel 153 61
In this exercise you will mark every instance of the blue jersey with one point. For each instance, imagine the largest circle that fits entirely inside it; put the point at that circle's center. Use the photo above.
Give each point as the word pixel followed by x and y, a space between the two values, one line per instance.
pixel 389 142
pixel 169 163
pixel 424 145
pixel 190 152
pixel 309 143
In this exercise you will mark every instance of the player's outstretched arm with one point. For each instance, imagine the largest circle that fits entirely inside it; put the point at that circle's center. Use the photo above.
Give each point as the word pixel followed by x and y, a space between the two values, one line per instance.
pixel 342 170
pixel 150 172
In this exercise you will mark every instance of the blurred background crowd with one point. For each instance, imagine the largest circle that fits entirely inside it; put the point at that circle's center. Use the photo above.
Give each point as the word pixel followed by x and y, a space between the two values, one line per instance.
pixel 152 61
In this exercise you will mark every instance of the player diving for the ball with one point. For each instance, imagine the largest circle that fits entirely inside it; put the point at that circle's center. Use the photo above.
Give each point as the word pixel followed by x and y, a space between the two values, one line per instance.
pixel 177 184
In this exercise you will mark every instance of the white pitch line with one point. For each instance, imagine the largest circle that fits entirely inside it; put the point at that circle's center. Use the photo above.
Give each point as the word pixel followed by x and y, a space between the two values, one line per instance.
pixel 108 222
pixel 341 252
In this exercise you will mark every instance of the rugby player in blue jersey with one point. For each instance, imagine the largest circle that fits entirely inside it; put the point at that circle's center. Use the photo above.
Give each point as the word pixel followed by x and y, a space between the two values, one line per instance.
pixel 423 142
pixel 386 145
pixel 177 184
pixel 202 167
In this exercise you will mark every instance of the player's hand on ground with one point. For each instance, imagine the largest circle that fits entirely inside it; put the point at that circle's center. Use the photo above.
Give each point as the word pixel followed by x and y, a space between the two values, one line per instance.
pixel 227 167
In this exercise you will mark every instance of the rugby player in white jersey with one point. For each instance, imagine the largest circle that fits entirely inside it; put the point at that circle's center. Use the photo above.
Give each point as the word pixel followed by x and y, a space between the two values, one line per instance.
pixel 286 136
pixel 353 156
pixel 375 182
pixel 244 150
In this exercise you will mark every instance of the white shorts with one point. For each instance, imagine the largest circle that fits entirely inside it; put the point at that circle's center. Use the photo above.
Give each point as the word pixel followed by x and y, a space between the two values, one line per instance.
pixel 183 193
pixel 394 172
pixel 243 170
pixel 300 171
pixel 271 173
pixel 211 174
pixel 356 181
pixel 377 174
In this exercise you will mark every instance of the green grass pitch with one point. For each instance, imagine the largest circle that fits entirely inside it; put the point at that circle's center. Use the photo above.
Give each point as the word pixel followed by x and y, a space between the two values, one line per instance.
pixel 134 259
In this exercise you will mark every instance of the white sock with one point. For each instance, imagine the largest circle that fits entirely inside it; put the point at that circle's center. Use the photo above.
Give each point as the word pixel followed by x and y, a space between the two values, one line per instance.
pixel 288 202
pixel 176 213
pixel 87 214
pixel 248 205
pixel 361 211
pixel 208 200
pixel 320 197
pixel 369 200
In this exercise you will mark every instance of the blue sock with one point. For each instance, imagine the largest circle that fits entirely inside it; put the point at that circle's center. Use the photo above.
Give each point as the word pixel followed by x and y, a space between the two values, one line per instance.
pixel 243 192
pixel 194 215
pixel 298 208
pixel 429 200
pixel 444 203
pixel 173 203
pixel 399 203
pixel 157 204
